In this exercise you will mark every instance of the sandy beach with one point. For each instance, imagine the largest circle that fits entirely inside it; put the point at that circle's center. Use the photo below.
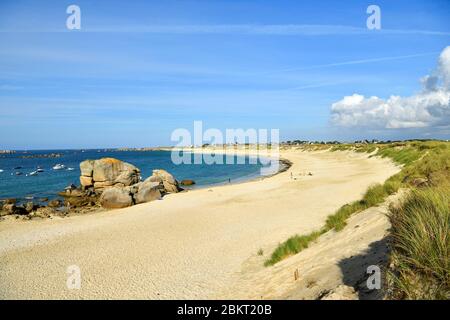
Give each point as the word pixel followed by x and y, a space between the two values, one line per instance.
pixel 193 245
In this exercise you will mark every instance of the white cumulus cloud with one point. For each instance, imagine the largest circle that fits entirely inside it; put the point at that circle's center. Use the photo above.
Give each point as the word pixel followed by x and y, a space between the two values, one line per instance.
pixel 428 108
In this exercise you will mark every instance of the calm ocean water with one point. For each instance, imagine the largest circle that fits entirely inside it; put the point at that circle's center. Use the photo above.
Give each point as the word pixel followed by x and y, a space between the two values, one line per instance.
pixel 49 182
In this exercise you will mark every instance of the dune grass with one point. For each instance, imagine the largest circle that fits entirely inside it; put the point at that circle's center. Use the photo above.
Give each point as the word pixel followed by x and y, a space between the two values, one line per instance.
pixel 428 160
pixel 420 257
pixel 292 246
pixel 401 156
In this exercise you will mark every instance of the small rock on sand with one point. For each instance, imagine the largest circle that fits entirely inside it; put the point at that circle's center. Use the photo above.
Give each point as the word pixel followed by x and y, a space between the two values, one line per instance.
pixel 54 203
pixel 341 292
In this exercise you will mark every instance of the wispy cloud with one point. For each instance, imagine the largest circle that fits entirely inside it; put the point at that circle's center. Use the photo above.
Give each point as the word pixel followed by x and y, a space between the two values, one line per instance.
pixel 8 87
pixel 352 62
pixel 249 29
pixel 243 29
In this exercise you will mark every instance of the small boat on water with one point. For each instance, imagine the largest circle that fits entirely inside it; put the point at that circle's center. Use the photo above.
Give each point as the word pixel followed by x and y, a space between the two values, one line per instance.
pixel 70 169
pixel 1 170
pixel 34 173
pixel 40 170
pixel 59 167
pixel 17 168
pixel 18 173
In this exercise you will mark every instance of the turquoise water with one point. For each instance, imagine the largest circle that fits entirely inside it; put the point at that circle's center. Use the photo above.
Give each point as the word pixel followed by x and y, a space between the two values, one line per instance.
pixel 49 182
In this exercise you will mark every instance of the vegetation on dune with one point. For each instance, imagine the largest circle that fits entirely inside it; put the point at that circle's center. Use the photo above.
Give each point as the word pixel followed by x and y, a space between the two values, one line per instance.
pixel 420 257
pixel 292 246
pixel 420 226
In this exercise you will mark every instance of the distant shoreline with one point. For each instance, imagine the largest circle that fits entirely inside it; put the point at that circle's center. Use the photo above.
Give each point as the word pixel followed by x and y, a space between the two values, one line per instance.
pixel 292 143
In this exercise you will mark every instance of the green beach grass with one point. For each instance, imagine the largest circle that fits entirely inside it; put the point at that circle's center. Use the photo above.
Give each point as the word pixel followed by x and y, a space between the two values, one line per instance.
pixel 420 242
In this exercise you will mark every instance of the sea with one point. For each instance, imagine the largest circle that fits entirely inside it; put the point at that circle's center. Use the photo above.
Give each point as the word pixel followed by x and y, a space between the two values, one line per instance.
pixel 16 181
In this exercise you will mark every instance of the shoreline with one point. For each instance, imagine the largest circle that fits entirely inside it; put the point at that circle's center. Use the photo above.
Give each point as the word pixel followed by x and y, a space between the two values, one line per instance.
pixel 189 245
pixel 36 198
pixel 284 165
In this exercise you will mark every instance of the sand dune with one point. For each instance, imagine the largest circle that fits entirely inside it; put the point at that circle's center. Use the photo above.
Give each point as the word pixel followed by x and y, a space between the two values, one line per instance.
pixel 189 245
pixel 335 260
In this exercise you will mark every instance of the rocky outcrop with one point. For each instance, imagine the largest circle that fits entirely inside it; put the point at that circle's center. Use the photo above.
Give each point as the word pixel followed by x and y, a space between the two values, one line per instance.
pixel 86 181
pixel 44 212
pixel 108 182
pixel 79 201
pixel 13 209
pixel 187 182
pixel 115 171
pixel 107 172
pixel 116 197
pixel 87 168
pixel 78 197
pixel 153 188
pixel 121 197
pixel 168 181
pixel 54 203
pixel 30 206
pixel 147 191
pixel 10 201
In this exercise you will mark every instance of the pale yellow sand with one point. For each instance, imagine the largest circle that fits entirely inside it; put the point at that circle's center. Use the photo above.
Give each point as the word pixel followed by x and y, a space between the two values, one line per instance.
pixel 188 245
pixel 336 259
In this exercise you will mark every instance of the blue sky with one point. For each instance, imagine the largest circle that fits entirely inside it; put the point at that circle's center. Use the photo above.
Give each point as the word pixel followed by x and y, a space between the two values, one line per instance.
pixel 137 70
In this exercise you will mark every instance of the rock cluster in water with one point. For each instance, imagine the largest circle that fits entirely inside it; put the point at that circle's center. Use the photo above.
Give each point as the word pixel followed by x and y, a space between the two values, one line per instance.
pixel 27 210
pixel 187 182
pixel 118 184
pixel 106 182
